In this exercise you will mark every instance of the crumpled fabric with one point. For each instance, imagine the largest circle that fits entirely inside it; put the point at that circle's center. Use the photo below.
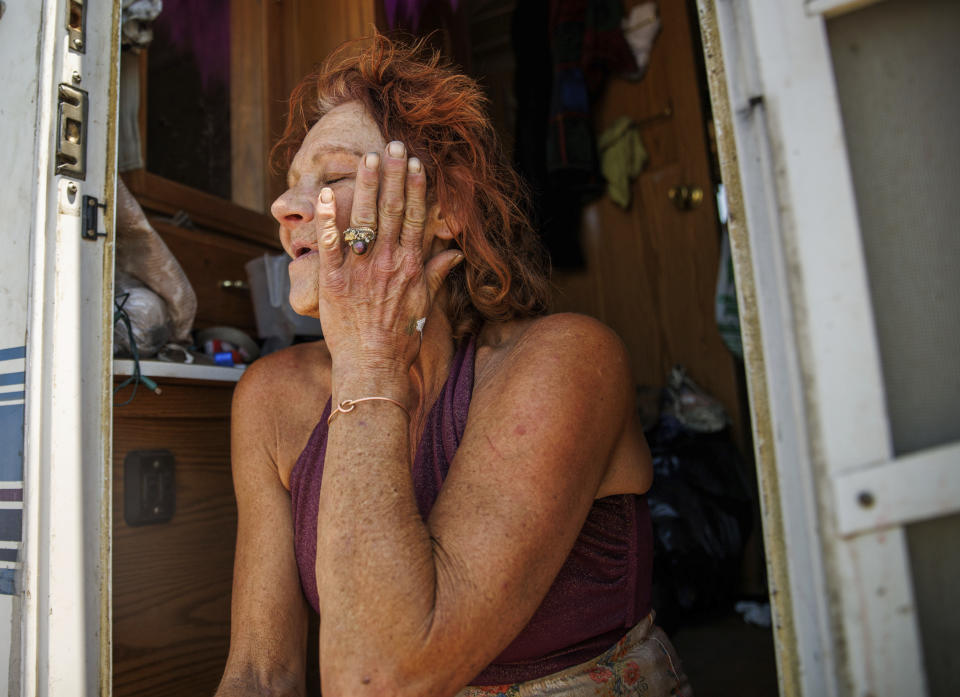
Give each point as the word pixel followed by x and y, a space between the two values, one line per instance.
pixel 141 253
pixel 622 157
pixel 136 21
pixel 643 662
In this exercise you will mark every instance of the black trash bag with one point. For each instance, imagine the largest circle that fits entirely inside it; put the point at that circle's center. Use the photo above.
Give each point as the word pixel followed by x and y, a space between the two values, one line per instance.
pixel 702 514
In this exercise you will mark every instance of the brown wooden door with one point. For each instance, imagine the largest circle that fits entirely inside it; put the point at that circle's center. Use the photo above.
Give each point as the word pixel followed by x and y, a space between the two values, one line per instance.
pixel 652 270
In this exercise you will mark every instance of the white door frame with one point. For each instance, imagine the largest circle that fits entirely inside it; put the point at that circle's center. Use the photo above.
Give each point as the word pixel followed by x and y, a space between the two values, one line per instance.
pixel 65 583
pixel 834 497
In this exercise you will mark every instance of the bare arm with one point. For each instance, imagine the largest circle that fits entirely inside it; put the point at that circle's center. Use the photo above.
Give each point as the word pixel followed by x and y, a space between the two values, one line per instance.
pixel 421 609
pixel 268 625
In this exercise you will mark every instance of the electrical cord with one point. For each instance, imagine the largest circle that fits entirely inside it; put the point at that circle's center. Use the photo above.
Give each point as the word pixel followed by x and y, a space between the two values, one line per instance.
pixel 120 314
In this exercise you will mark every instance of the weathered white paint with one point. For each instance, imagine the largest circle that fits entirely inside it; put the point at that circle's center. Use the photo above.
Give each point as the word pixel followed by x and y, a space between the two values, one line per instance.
pixel 850 598
pixel 906 490
pixel 19 37
pixel 7 618
pixel 805 656
pixel 65 623
pixel 19 31
pixel 817 219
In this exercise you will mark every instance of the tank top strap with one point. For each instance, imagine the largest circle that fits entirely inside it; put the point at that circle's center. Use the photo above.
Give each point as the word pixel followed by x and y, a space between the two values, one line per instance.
pixel 442 434
pixel 444 428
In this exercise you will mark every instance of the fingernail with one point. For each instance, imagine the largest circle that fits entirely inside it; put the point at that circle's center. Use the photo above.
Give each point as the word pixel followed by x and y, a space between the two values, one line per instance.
pixel 326 195
pixel 456 260
pixel 414 166
pixel 371 160
pixel 396 149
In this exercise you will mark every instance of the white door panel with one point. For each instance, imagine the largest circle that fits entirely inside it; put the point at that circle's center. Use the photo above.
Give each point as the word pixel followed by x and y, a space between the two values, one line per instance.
pixel 839 499
pixel 64 588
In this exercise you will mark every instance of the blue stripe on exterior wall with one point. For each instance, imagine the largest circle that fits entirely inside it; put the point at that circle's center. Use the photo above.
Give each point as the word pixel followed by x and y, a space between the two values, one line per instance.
pixel 8 354
pixel 11 524
pixel 11 378
pixel 11 457
pixel 11 442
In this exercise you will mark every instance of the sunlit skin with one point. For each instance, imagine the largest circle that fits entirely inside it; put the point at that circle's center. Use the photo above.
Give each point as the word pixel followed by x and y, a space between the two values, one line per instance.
pixel 330 156
pixel 409 607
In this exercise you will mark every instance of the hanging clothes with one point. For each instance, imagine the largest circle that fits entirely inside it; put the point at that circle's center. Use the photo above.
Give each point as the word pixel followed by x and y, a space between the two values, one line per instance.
pixel 587 47
pixel 565 50
pixel 622 157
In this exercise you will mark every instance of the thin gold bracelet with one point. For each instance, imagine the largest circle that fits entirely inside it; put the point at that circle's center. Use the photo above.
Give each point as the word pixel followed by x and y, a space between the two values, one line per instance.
pixel 349 405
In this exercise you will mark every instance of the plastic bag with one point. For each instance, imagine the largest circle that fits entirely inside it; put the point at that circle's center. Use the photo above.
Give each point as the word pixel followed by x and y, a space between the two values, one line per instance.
pixel 143 255
pixel 691 406
pixel 147 314
pixel 700 505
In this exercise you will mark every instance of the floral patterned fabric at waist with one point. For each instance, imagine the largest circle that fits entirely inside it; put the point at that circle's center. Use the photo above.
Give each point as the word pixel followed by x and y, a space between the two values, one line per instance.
pixel 643 662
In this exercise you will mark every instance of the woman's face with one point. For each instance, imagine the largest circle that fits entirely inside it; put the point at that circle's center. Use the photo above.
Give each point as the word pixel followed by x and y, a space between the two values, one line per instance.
pixel 328 156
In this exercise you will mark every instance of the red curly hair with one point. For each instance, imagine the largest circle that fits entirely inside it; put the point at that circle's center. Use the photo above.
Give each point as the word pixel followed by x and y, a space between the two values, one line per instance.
pixel 440 115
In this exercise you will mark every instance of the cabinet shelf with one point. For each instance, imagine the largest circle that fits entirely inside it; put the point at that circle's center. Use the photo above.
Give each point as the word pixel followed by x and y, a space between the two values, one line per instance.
pixel 182 371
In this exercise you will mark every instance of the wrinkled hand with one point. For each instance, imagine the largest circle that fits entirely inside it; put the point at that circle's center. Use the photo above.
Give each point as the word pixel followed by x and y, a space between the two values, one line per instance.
pixel 369 304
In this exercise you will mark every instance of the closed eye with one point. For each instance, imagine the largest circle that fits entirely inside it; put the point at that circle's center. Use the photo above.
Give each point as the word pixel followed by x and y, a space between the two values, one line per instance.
pixel 336 179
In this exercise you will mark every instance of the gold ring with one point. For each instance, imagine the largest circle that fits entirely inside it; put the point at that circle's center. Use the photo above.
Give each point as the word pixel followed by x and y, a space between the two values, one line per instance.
pixel 360 239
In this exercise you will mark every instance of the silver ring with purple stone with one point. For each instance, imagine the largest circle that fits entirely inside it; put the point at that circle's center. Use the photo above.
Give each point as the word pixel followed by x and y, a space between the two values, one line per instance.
pixel 360 239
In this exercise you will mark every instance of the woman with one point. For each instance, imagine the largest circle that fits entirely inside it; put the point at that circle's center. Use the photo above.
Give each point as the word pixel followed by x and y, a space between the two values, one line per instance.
pixel 480 526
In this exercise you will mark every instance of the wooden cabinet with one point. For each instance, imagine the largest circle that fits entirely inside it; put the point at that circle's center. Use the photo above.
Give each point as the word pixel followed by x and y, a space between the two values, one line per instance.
pixel 171 581
pixel 213 244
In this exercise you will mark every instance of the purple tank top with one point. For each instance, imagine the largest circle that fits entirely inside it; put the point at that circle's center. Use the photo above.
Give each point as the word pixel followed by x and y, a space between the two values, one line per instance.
pixel 602 590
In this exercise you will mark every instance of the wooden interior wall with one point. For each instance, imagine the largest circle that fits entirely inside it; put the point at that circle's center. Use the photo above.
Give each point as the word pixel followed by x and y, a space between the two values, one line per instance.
pixel 171 581
pixel 275 43
pixel 651 270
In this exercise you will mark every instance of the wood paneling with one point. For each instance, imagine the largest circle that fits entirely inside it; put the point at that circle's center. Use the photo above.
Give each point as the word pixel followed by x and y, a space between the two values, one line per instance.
pixel 652 267
pixel 322 26
pixel 168 197
pixel 171 581
pixel 208 259
pixel 296 36
pixel 249 137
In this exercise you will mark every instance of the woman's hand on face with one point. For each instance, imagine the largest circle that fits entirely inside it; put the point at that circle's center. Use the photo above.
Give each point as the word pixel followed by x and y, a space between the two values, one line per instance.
pixel 369 303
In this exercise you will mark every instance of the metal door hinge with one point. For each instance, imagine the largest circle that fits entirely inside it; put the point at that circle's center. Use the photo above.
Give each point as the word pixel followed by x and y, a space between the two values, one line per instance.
pixel 91 218
pixel 72 133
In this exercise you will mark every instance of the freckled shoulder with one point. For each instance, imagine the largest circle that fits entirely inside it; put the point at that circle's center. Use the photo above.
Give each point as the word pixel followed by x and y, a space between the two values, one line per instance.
pixel 569 370
pixel 562 341
pixel 281 397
